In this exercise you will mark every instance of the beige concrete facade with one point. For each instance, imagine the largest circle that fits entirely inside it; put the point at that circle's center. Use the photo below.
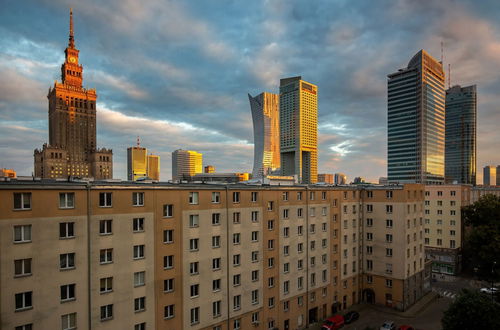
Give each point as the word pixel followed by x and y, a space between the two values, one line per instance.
pixel 197 248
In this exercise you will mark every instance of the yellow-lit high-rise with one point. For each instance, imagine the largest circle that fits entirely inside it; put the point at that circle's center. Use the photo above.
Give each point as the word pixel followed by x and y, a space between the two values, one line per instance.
pixel 186 163
pixel 299 129
pixel 154 167
pixel 137 162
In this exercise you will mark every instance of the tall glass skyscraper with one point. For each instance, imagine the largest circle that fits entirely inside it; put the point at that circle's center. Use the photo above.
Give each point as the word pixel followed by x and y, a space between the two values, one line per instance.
pixel 460 147
pixel 416 115
pixel 266 133
pixel 299 129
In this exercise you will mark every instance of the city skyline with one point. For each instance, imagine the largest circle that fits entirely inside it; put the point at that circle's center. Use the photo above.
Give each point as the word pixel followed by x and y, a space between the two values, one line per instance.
pixel 206 115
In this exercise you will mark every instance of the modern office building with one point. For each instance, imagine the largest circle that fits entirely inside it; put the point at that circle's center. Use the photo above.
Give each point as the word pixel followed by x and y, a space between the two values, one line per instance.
pixel 266 133
pixel 443 234
pixel 209 169
pixel 299 129
pixel 325 178
pixel 461 130
pixel 137 162
pixel 153 167
pixel 340 178
pixel 416 122
pixel 125 255
pixel 220 177
pixel 72 149
pixel 142 165
pixel 186 163
pixel 7 173
pixel 490 175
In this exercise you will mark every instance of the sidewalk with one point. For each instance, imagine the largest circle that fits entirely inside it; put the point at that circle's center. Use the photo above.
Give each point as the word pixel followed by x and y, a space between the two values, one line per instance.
pixel 411 312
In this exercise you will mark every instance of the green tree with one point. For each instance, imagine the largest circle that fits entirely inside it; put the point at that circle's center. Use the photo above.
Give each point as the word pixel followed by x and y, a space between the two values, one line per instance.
pixel 471 311
pixel 482 237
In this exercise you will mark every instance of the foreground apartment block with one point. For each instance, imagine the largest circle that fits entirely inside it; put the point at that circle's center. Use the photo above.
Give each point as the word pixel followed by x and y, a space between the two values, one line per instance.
pixel 128 255
pixel 444 229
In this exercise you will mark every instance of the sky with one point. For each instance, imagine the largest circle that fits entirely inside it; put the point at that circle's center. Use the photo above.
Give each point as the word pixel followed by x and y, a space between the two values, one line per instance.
pixel 177 73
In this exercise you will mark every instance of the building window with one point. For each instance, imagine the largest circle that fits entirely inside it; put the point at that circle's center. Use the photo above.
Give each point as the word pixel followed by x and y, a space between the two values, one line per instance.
pixel 67 261
pixel 255 216
pixel 168 210
pixel 255 256
pixel 66 230
pixel 216 308
pixel 215 241
pixel 193 198
pixel 106 227
pixel 236 280
pixel 236 260
pixel 194 290
pixel 236 217
pixel 255 275
pixel 67 292
pixel 68 321
pixel 106 256
pixel 270 244
pixel 369 236
pixel 24 300
pixel 255 297
pixel 285 213
pixel 105 199
pixel 168 262
pixel 285 196
pixel 22 201
pixel 254 196
pixel 215 263
pixel 237 303
pixel 169 312
pixel 255 236
pixel 236 196
pixel 388 268
pixel 66 200
pixel 286 287
pixel 138 199
pixel 388 252
pixel 299 212
pixel 270 262
pixel 193 268
pixel 106 285
pixel 270 205
pixel 193 244
pixel 270 224
pixel 138 252
pixel 216 285
pixel 29 326
pixel 168 236
pixel 139 278
pixel 388 208
pixel 138 225
pixel 168 285
pixel 299 195
pixel 388 238
pixel 22 234
pixel 215 197
pixel 140 326
pixel 388 283
pixel 22 267
pixel 299 230
pixel 286 267
pixel 215 219
pixel 194 220
pixel 312 195
pixel 106 312
pixel 369 264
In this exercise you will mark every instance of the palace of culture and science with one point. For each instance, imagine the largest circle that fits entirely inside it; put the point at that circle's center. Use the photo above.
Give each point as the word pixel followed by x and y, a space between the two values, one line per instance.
pixel 72 148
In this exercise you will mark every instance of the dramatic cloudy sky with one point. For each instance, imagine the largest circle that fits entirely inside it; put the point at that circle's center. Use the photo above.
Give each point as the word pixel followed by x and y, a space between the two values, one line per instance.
pixel 177 73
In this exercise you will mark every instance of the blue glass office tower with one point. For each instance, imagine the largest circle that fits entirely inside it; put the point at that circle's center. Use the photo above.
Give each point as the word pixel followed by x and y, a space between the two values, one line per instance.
pixel 416 122
pixel 460 146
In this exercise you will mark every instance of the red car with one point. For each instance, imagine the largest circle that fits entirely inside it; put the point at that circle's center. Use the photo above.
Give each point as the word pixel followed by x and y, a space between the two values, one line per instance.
pixel 405 327
pixel 333 323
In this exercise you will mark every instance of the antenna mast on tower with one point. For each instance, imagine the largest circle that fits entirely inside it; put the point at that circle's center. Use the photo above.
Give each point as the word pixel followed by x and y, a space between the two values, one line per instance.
pixel 449 75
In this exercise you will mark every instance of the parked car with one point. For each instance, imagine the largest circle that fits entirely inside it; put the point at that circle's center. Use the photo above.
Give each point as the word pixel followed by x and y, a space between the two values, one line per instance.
pixel 351 317
pixel 333 323
pixel 405 327
pixel 388 325
pixel 489 290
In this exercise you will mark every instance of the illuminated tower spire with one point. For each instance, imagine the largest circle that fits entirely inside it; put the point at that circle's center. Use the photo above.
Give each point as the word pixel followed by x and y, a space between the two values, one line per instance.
pixel 71 43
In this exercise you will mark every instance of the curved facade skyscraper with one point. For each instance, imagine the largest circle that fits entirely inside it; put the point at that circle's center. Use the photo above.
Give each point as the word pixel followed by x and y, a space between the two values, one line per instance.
pixel 416 122
pixel 266 133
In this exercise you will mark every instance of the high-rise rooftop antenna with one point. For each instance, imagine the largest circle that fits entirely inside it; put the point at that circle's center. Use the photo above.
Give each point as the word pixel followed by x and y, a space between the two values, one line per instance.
pixel 442 52
pixel 138 141
pixel 449 75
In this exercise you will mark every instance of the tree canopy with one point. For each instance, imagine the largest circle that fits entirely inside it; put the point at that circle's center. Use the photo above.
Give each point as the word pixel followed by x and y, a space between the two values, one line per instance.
pixel 482 236
pixel 471 311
